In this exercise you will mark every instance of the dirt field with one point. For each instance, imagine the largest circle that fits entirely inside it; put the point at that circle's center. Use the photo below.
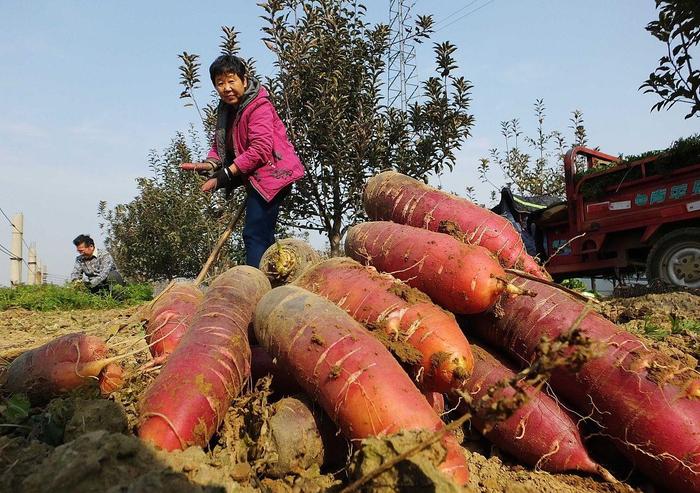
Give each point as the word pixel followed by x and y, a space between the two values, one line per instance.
pixel 82 442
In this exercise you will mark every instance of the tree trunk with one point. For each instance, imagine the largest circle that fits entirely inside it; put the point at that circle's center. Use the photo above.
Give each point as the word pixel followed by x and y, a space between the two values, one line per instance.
pixel 335 236
pixel 334 239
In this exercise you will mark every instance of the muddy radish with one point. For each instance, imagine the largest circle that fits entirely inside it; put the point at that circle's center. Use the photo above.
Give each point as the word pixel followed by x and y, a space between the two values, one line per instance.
pixel 419 332
pixel 646 402
pixel 284 261
pixel 186 403
pixel 391 196
pixel 63 364
pixel 301 435
pixel 169 317
pixel 540 433
pixel 461 278
pixel 262 365
pixel 349 372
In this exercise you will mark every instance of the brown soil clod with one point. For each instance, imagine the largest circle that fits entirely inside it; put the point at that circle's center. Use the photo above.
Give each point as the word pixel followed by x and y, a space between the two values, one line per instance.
pixel 451 228
pixel 418 472
pixel 408 294
pixel 402 351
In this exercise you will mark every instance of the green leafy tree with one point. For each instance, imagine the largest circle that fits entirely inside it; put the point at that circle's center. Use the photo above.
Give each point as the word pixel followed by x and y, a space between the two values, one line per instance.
pixel 169 229
pixel 538 168
pixel 675 80
pixel 328 89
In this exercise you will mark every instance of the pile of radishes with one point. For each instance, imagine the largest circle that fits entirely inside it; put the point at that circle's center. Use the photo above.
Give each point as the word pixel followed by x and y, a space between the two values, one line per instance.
pixel 373 339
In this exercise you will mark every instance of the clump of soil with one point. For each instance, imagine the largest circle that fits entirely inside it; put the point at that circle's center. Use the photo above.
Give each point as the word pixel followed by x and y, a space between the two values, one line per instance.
pixel 285 440
pixel 95 415
pixel 418 473
pixel 408 294
pixel 402 350
pixel 19 457
pixel 492 475
pixel 103 461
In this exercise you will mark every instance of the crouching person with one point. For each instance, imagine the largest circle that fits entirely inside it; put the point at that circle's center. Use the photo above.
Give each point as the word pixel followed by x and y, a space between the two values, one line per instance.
pixel 94 267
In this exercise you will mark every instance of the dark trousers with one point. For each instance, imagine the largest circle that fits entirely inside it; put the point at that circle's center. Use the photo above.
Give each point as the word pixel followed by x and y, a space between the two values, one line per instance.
pixel 259 228
pixel 113 278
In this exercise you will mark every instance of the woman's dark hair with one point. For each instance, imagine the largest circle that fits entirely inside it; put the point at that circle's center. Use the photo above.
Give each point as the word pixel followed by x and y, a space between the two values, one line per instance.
pixel 227 64
pixel 83 240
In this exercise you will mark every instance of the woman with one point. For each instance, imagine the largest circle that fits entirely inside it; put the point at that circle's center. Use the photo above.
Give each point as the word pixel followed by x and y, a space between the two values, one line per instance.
pixel 250 147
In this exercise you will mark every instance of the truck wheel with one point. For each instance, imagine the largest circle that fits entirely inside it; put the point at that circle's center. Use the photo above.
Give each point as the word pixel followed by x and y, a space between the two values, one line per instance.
pixel 675 258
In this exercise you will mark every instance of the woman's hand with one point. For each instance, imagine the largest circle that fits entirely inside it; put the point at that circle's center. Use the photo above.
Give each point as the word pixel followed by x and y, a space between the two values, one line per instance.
pixel 221 179
pixel 209 185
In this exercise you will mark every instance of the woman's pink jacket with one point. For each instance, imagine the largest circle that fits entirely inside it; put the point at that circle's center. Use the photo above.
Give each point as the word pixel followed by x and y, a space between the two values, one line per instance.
pixel 263 153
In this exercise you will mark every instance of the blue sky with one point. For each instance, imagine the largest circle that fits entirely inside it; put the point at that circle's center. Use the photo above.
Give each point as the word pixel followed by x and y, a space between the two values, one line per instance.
pixel 88 88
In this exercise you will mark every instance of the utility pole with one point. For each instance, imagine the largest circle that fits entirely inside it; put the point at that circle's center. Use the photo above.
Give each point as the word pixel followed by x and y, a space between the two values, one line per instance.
pixel 16 259
pixel 38 274
pixel 44 273
pixel 32 265
pixel 401 71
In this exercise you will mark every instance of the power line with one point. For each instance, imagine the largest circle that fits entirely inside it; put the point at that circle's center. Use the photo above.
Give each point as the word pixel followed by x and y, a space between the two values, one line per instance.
pixel 8 219
pixel 5 250
pixel 465 15
pixel 448 17
pixel 392 43
pixel 13 225
pixel 8 252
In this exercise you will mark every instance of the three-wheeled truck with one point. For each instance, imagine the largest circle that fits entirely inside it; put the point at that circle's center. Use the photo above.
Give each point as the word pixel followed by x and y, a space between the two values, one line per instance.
pixel 619 218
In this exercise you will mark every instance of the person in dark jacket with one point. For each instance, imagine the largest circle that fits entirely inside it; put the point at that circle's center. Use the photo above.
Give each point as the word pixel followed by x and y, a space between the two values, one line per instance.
pixel 250 147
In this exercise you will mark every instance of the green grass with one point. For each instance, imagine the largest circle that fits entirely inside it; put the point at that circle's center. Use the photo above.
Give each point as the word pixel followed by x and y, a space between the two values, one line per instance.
pixel 578 285
pixel 653 331
pixel 46 297
pixel 678 326
pixel 575 284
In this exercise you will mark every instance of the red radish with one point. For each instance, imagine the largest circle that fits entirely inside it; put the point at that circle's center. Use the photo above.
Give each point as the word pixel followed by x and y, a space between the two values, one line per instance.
pixel 262 364
pixel 286 260
pixel 461 278
pixel 436 401
pixel 539 434
pixel 186 403
pixel 168 319
pixel 349 372
pixel 391 196
pixel 63 364
pixel 403 314
pixel 646 402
